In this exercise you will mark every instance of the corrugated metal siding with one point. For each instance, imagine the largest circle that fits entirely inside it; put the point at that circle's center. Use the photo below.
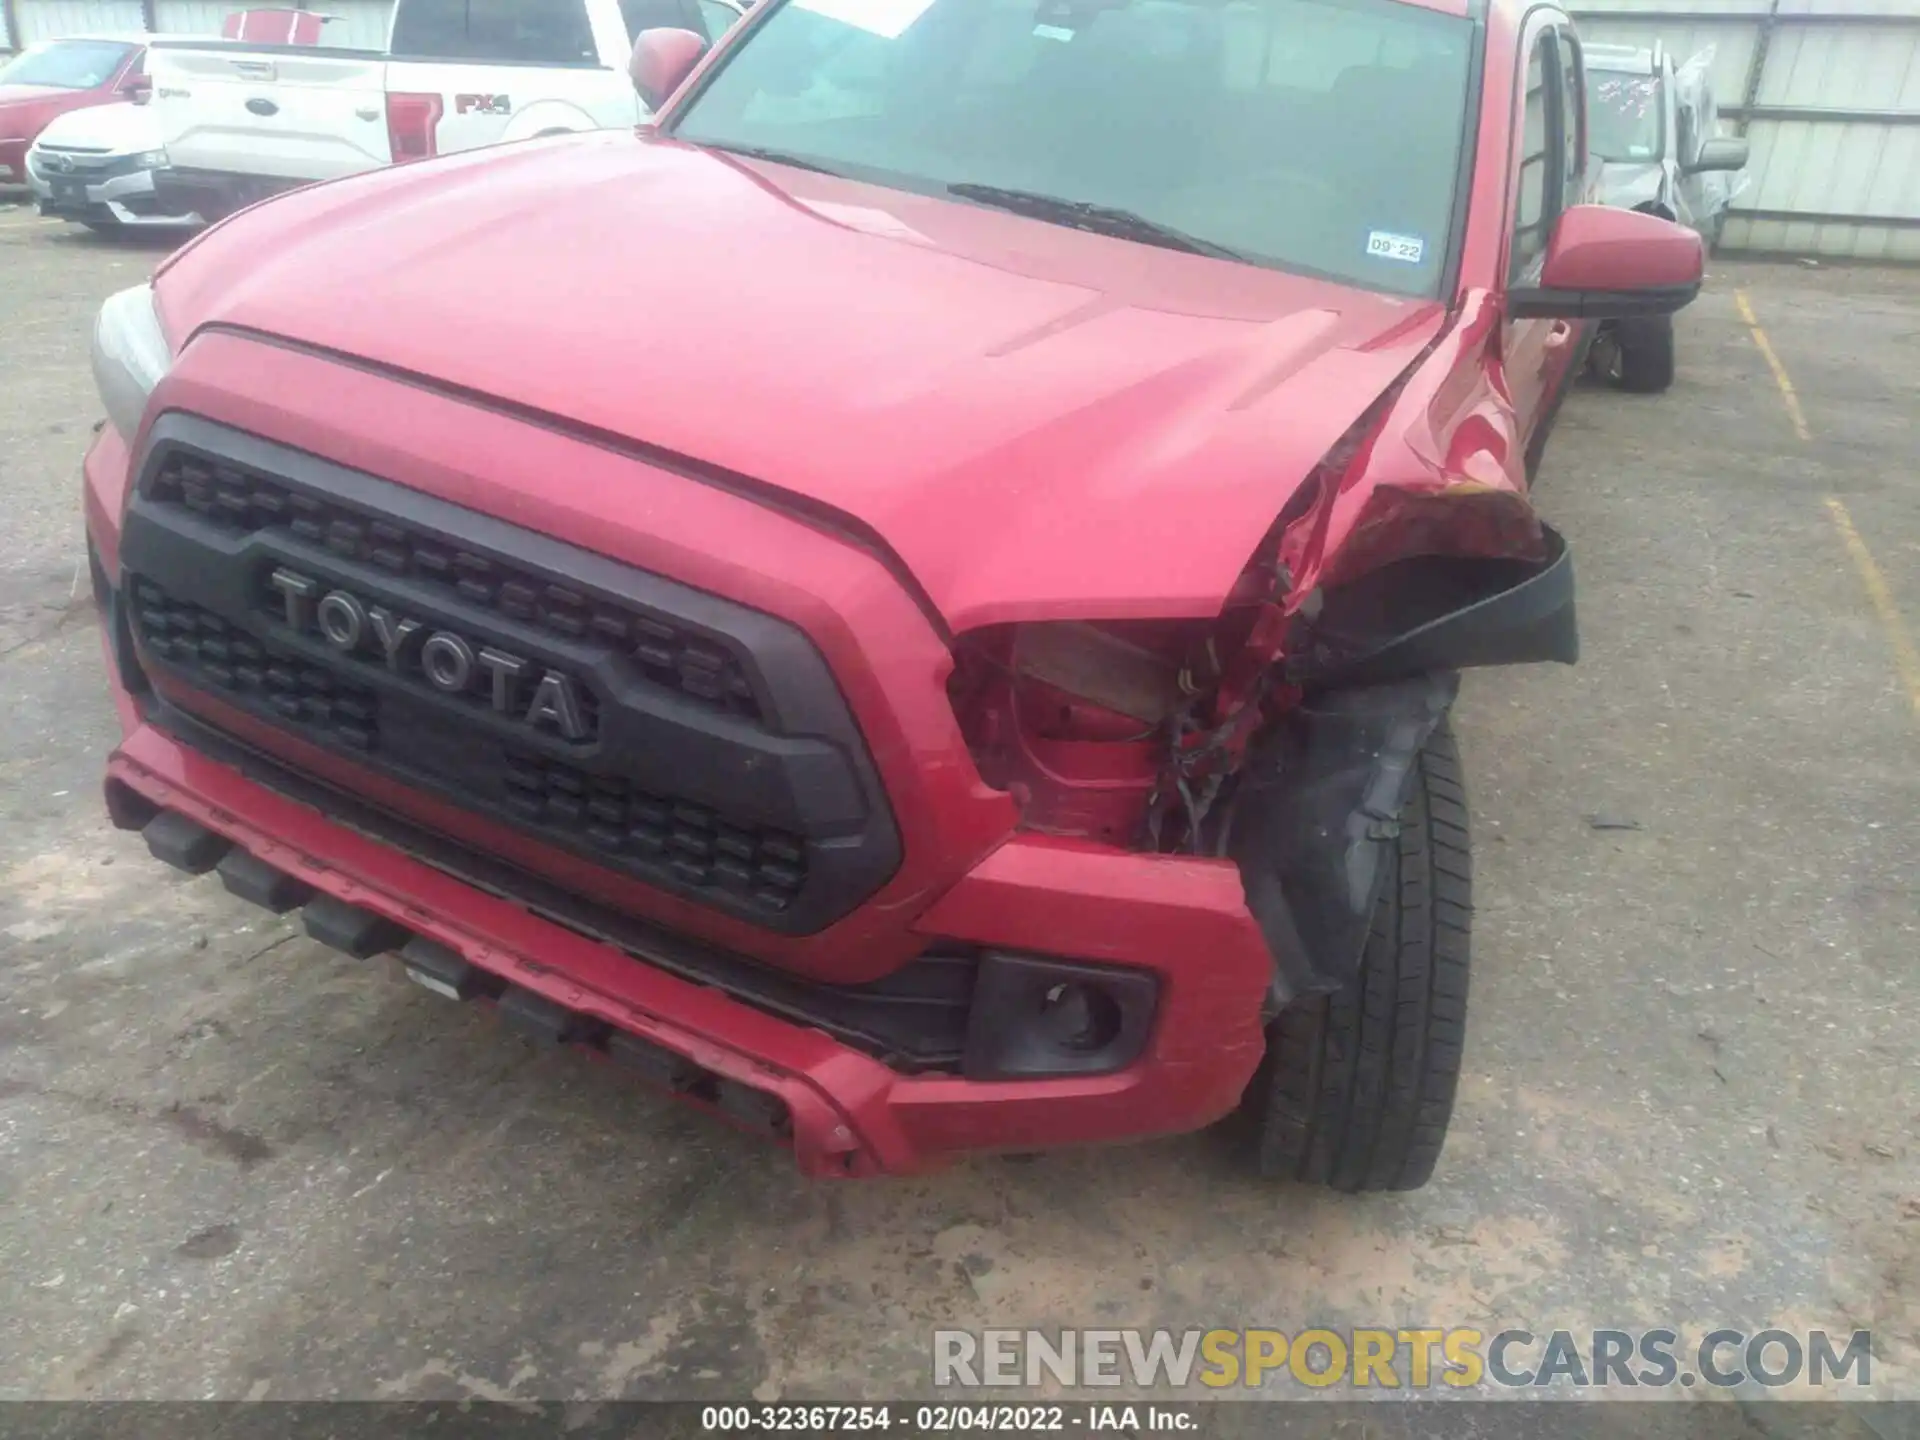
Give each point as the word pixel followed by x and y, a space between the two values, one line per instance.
pixel 360 24
pixel 1829 170
pixel 1827 93
pixel 191 17
pixel 1732 45
pixel 51 19
pixel 1852 67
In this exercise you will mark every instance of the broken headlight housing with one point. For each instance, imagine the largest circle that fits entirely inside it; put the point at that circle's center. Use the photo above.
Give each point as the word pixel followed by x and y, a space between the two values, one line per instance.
pixel 1074 720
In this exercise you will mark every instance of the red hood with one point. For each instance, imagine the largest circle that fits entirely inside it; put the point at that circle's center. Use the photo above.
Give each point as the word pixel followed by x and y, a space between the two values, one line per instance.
pixel 26 109
pixel 1041 422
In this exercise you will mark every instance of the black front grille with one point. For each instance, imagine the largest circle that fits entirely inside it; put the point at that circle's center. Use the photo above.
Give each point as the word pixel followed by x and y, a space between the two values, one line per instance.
pixel 280 582
pixel 655 834
pixel 224 657
pixel 700 846
pixel 244 500
pixel 91 167
pixel 914 1019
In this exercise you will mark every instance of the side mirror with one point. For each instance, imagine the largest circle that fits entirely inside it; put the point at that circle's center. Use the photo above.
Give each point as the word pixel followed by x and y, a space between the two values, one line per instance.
pixel 1724 152
pixel 661 60
pixel 137 88
pixel 1608 264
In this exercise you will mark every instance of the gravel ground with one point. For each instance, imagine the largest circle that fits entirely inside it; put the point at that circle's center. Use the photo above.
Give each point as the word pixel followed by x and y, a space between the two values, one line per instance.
pixel 235 1164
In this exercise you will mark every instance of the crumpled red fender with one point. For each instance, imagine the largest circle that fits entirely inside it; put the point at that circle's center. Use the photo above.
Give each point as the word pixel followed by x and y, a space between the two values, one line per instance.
pixel 1442 473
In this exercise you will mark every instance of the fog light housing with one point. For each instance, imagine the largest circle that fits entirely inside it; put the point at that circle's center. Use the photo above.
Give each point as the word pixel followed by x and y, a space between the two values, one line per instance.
pixel 1034 1017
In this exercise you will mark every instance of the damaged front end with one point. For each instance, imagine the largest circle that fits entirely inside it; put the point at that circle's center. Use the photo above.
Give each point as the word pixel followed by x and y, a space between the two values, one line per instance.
pixel 1283 733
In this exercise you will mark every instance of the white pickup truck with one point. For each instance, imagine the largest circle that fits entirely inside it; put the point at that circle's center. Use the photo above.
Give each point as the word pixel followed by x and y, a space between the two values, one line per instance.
pixel 241 121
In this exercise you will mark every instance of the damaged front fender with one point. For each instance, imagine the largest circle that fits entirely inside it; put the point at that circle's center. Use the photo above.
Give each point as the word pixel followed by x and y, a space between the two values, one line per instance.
pixel 1316 815
pixel 1439 613
pixel 1377 667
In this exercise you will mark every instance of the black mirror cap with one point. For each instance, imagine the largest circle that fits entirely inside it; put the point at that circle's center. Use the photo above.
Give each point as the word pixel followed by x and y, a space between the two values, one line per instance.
pixel 1536 302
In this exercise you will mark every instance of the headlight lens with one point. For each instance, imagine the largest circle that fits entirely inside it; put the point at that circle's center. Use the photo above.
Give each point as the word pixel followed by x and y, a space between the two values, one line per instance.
pixel 150 160
pixel 130 354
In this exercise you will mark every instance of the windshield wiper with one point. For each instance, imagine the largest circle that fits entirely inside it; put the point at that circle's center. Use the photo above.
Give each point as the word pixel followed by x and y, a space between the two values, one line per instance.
pixel 778 157
pixel 1086 215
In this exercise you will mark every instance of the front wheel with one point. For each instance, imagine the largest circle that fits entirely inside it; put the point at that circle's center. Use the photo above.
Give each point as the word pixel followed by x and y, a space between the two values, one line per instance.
pixel 1357 1087
pixel 1645 364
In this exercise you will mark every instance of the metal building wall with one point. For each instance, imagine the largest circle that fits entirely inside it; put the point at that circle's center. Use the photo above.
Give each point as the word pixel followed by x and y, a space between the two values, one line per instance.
pixel 361 24
pixel 1827 93
pixel 52 19
pixel 358 24
pixel 190 17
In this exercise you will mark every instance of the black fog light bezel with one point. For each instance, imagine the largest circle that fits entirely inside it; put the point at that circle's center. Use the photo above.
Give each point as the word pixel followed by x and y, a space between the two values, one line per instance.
pixel 1007 1029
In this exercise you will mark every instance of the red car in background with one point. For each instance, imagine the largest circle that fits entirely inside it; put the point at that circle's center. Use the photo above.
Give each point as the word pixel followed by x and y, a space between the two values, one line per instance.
pixel 56 76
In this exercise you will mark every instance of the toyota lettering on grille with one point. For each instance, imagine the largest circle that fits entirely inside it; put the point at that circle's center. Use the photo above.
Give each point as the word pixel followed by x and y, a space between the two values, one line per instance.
pixel 450 662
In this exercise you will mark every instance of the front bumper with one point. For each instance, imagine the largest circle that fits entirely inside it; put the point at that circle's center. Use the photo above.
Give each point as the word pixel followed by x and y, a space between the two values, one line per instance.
pixel 214 194
pixel 843 1110
pixel 127 200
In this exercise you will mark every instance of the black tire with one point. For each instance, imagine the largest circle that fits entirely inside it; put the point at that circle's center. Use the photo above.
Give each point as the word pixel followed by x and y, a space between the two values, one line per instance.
pixel 1357 1088
pixel 1646 355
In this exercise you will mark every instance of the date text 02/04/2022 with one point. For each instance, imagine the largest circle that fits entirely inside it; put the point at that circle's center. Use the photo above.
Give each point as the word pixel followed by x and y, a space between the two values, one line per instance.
pixel 941 1419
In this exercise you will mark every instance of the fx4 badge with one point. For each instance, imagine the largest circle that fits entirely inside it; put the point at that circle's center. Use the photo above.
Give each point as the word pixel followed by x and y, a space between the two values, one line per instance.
pixel 482 105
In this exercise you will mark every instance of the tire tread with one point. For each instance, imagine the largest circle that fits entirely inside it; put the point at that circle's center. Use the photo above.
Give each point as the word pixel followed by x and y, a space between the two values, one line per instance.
pixel 1358 1087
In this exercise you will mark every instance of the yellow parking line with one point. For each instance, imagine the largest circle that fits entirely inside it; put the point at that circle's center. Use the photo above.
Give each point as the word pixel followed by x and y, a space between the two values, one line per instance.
pixel 1906 659
pixel 1787 395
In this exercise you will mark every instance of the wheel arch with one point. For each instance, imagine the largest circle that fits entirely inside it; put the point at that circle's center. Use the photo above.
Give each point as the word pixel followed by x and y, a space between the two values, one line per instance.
pixel 1316 816
pixel 548 117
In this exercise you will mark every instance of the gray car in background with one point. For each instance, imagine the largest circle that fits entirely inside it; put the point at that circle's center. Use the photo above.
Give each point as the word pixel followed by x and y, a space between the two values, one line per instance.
pixel 1652 129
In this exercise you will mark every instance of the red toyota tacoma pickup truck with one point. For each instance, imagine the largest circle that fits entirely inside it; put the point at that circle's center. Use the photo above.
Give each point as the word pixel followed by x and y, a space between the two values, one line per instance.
pixel 914 601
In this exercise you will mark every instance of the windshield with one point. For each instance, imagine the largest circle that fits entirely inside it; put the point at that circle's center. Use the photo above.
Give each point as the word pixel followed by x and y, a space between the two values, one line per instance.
pixel 1625 117
pixel 66 64
pixel 1316 137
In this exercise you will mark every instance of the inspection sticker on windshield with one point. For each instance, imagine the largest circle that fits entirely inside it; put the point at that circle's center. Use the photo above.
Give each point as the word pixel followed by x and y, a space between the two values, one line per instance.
pixel 1388 246
pixel 1053 32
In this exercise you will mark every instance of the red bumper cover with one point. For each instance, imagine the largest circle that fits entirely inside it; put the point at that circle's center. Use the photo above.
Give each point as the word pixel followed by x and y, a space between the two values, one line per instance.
pixel 1183 919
